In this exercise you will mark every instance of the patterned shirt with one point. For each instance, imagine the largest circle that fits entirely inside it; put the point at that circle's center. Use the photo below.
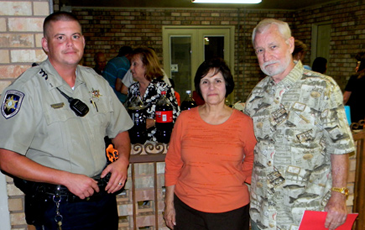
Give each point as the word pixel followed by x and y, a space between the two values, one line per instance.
pixel 298 122
pixel 150 98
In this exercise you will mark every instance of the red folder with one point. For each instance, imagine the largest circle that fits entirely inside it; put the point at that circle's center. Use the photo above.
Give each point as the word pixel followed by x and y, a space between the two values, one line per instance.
pixel 315 220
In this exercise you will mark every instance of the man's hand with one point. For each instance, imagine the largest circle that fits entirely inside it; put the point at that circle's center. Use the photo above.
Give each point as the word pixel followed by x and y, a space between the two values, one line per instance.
pixel 118 169
pixel 24 168
pixel 119 174
pixel 81 185
pixel 336 206
pixel 337 212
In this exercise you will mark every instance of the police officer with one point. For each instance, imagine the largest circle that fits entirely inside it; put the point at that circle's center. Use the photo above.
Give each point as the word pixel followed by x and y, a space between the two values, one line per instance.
pixel 53 121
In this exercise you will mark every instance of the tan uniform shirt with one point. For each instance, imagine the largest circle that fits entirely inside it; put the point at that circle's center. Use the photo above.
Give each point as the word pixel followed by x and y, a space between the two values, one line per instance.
pixel 37 121
pixel 298 122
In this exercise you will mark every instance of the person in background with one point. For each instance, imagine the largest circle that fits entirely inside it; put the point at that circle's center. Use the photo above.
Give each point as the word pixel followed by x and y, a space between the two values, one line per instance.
pixel 177 95
pixel 197 98
pixel 354 94
pixel 210 158
pixel 56 150
pixel 100 62
pixel 146 70
pixel 128 80
pixel 116 69
pixel 303 138
pixel 320 65
pixel 299 52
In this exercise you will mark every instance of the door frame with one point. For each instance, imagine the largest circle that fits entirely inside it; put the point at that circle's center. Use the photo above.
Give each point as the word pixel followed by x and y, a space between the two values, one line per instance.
pixel 315 43
pixel 197 48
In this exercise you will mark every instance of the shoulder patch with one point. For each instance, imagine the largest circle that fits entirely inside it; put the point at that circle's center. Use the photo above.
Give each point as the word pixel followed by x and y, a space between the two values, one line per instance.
pixel 11 103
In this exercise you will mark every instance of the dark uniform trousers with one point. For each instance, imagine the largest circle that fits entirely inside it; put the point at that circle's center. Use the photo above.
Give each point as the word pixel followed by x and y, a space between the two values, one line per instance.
pixel 95 214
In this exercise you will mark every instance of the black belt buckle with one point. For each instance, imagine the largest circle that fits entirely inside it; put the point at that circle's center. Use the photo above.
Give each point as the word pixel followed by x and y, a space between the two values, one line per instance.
pixel 103 182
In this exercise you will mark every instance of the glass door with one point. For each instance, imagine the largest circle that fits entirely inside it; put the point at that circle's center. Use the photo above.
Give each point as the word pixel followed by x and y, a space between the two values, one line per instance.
pixel 213 47
pixel 180 63
pixel 185 48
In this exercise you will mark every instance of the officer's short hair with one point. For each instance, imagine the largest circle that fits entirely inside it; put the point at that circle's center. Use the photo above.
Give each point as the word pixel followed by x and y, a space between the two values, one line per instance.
pixel 58 16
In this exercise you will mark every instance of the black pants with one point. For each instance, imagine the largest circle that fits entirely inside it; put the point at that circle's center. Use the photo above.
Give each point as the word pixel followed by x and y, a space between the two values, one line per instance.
pixel 188 218
pixel 85 215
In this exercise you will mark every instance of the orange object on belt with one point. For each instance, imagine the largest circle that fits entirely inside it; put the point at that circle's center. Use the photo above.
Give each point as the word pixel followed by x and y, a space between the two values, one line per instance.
pixel 111 153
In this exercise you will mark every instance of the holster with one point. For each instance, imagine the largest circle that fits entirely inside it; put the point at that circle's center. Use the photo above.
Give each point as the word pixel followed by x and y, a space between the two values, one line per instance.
pixel 36 203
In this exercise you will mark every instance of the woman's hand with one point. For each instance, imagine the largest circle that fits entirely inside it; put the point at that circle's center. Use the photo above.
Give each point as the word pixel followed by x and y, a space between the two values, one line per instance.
pixel 150 123
pixel 169 216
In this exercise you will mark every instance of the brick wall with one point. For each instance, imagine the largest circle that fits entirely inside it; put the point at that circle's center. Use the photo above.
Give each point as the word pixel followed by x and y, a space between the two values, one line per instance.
pixel 20 37
pixel 108 29
pixel 347 34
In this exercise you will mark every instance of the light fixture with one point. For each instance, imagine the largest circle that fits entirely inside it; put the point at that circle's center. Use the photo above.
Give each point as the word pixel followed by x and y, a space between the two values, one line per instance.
pixel 227 1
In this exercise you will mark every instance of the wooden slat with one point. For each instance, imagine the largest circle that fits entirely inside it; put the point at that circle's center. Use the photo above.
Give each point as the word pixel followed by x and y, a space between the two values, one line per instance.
pixel 145 157
pixel 359 187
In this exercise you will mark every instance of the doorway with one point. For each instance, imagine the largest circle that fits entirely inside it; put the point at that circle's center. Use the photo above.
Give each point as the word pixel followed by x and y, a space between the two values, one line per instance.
pixel 321 37
pixel 186 47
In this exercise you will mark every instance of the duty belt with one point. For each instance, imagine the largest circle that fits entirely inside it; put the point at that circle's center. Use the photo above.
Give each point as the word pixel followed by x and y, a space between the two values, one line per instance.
pixel 37 195
pixel 66 195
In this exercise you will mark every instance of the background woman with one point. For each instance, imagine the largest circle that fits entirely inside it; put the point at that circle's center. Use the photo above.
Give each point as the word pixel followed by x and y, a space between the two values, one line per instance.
pixel 354 94
pixel 210 158
pixel 320 65
pixel 146 70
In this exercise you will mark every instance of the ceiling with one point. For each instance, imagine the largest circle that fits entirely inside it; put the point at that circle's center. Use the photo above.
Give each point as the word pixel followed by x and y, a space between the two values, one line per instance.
pixel 265 4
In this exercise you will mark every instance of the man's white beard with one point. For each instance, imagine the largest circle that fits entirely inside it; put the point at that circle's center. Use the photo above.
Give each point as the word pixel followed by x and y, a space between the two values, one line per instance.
pixel 275 70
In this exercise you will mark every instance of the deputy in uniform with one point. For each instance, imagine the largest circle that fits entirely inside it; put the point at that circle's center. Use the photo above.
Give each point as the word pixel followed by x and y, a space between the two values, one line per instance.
pixel 54 118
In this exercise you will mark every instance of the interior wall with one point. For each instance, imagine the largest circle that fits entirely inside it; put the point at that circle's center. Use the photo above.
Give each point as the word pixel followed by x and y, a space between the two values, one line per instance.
pixel 108 29
pixel 347 34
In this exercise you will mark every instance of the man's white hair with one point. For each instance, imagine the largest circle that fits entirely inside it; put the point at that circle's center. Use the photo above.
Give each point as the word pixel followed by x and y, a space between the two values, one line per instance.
pixel 265 24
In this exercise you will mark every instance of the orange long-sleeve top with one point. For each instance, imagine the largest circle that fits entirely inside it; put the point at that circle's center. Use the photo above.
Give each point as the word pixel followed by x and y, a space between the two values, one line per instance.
pixel 209 164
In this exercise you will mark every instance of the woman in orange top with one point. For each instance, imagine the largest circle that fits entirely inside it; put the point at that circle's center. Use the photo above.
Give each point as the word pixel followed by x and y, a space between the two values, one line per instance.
pixel 210 158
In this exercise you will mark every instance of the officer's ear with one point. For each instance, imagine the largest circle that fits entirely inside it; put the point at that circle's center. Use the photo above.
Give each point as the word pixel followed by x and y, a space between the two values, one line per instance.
pixel 45 45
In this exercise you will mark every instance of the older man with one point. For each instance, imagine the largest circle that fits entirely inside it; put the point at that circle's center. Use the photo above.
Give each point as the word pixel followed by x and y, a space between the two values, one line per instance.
pixel 301 158
pixel 54 118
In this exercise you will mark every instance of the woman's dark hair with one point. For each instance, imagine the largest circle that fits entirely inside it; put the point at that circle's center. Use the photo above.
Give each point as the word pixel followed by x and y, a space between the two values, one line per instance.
pixel 150 61
pixel 217 65
pixel 320 65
